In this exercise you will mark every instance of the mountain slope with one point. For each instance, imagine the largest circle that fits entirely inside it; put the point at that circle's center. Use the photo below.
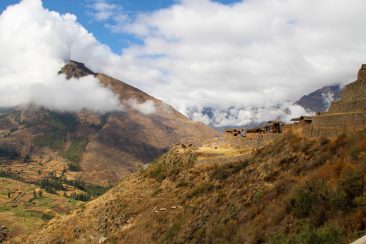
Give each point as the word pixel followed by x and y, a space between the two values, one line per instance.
pixel 319 100
pixel 295 190
pixel 105 147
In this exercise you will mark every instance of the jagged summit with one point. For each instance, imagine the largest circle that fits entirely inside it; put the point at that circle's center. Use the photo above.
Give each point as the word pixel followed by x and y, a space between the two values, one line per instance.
pixel 74 69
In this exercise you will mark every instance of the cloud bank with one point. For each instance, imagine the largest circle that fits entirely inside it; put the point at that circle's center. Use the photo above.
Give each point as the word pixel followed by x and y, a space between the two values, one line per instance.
pixel 250 56
pixel 35 43
pixel 221 64
pixel 148 107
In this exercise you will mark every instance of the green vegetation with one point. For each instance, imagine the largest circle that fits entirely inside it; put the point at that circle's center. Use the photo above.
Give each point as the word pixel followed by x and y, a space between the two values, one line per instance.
pixel 226 170
pixel 9 174
pixel 326 234
pixel 53 184
pixel 61 129
pixel 8 152
pixel 27 159
pixel 74 153
pixel 172 232
pixel 60 125
pixel 200 189
pixel 47 216
pixel 81 196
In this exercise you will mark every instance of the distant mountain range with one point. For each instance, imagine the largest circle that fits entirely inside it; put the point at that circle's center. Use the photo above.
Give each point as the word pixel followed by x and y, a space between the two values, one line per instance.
pixel 319 100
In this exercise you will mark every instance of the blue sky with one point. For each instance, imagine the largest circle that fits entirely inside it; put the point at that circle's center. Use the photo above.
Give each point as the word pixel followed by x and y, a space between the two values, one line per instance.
pixel 116 41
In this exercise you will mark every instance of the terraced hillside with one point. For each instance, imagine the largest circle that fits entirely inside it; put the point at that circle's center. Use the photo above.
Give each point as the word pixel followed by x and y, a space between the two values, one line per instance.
pixel 295 190
pixel 24 208
pixel 99 148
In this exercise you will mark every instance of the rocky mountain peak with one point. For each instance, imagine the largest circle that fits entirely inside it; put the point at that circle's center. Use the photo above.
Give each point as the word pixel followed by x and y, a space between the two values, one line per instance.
pixel 362 73
pixel 75 69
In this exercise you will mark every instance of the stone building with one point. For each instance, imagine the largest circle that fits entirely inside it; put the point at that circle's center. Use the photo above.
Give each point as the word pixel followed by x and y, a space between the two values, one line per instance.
pixel 299 125
pixel 346 115
pixel 234 132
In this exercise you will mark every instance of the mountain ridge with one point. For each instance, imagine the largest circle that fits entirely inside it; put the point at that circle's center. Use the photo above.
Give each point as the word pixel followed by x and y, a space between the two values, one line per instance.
pixel 105 147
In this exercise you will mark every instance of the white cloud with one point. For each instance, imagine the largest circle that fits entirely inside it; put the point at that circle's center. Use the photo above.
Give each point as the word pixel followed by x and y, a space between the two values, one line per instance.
pixel 146 108
pixel 35 43
pixel 328 98
pixel 111 13
pixel 256 53
pixel 247 61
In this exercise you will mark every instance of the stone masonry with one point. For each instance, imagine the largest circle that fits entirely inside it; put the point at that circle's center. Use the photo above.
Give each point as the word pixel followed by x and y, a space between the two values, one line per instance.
pixel 346 115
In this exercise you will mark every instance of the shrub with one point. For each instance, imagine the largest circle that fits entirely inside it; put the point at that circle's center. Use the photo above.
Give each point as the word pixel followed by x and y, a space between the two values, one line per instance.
pixel 27 158
pixel 183 183
pixel 226 170
pixel 81 196
pixel 9 174
pixel 199 190
pixel 172 232
pixel 309 199
pixel 75 167
pixel 326 234
pixel 47 216
pixel 74 152
pixel 9 152
pixel 51 185
pixel 352 183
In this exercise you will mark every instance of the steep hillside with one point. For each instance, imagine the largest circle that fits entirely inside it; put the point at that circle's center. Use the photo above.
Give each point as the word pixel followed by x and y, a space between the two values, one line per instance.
pixel 319 100
pixel 99 148
pixel 295 190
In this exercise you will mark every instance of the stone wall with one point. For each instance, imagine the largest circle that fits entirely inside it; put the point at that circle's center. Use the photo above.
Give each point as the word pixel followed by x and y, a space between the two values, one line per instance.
pixel 345 116
pixel 255 141
pixel 352 106
pixel 354 91
pixel 336 124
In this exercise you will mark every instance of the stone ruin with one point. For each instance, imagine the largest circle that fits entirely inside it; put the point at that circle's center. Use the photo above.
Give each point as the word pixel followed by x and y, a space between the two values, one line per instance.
pixel 346 115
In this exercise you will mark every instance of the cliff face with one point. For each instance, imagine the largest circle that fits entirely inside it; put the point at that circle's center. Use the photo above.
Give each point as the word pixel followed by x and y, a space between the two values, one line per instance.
pixel 105 146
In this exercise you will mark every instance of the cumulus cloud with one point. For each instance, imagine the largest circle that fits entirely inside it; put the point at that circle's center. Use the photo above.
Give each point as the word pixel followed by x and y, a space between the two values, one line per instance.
pixel 146 108
pixel 35 43
pixel 328 98
pixel 249 55
pixel 244 62
pixel 104 11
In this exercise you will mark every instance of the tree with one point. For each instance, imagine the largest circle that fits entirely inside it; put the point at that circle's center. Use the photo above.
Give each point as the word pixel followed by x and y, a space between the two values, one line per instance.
pixel 27 159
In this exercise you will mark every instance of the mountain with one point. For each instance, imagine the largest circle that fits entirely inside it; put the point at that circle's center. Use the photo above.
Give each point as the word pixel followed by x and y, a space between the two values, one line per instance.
pixel 319 100
pixel 294 190
pixel 98 148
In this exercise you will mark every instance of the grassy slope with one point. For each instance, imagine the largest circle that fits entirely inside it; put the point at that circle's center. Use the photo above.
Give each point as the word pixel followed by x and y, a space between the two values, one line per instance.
pixel 24 217
pixel 295 190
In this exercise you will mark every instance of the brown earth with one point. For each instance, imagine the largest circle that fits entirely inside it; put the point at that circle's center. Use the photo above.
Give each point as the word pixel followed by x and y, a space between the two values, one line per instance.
pixel 294 190
pixel 106 147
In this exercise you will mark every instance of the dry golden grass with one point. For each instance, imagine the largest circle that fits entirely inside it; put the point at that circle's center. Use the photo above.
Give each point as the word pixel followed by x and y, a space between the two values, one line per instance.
pixel 24 216
pixel 296 189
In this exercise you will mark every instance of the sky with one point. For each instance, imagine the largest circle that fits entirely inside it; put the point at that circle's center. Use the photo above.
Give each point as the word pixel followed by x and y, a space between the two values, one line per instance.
pixel 220 62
